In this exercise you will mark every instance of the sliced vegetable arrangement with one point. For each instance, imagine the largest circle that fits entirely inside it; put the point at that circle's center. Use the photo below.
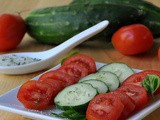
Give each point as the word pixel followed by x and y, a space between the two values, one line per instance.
pixel 34 95
pixel 92 95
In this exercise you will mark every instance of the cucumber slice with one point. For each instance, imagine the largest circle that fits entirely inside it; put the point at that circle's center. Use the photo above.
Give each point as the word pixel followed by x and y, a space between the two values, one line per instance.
pixel 99 85
pixel 109 78
pixel 120 69
pixel 75 96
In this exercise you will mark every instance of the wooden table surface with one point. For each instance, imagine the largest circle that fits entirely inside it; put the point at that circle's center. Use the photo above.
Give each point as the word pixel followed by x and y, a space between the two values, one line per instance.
pixel 106 53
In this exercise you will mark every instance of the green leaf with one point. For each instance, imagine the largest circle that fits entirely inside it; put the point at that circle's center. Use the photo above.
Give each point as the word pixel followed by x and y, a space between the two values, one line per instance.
pixel 151 83
pixel 69 55
pixel 70 114
pixel 57 115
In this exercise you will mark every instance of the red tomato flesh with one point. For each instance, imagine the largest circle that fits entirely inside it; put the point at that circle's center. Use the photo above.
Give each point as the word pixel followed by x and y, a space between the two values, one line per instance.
pixel 77 70
pixel 137 94
pixel 56 85
pixel 132 39
pixel 81 58
pixel 128 103
pixel 105 106
pixel 64 78
pixel 35 94
pixel 12 30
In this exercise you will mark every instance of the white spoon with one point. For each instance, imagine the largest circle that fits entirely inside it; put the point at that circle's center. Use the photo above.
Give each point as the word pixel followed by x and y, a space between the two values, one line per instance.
pixel 47 57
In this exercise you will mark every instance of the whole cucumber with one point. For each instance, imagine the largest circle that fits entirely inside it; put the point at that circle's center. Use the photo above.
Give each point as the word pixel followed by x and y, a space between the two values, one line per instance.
pixel 54 25
pixel 151 20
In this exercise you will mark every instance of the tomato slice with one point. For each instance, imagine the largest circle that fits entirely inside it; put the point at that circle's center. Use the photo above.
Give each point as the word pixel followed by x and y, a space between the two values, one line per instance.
pixel 81 58
pixel 137 93
pixel 137 78
pixel 35 95
pixel 105 106
pixel 64 78
pixel 56 84
pixel 77 70
pixel 128 103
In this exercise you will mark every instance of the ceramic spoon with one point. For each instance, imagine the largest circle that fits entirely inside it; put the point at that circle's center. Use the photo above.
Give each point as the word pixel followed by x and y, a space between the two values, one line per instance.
pixel 47 57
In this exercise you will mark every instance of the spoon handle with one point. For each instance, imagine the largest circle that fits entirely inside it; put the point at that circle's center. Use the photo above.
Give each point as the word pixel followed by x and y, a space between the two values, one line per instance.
pixel 77 39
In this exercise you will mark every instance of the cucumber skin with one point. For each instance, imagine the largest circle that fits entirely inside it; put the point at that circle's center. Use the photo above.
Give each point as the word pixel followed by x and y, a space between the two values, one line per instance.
pixel 55 25
pixel 81 108
pixel 151 19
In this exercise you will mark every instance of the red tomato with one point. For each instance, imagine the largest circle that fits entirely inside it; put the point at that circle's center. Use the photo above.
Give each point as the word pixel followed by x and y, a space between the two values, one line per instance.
pixel 12 30
pixel 56 84
pixel 35 95
pixel 137 94
pixel 132 39
pixel 65 79
pixel 159 53
pixel 77 70
pixel 137 78
pixel 128 103
pixel 105 106
pixel 81 58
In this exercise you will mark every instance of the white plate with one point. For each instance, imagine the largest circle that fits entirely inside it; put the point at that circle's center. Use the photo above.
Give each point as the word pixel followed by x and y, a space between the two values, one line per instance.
pixel 9 102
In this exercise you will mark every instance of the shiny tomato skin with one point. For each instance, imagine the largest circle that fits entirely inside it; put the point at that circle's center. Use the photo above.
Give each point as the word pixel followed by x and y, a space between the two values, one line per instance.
pixel 104 106
pixel 137 78
pixel 77 70
pixel 137 93
pixel 128 103
pixel 82 58
pixel 132 39
pixel 35 95
pixel 12 30
pixel 159 53
pixel 64 78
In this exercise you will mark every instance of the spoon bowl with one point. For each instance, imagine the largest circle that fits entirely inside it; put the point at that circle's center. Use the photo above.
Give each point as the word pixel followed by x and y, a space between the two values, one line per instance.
pixel 49 56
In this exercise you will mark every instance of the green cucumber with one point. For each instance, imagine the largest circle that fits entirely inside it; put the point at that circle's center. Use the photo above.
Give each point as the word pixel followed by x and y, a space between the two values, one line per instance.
pixel 109 78
pixel 54 25
pixel 151 19
pixel 99 85
pixel 75 97
pixel 120 69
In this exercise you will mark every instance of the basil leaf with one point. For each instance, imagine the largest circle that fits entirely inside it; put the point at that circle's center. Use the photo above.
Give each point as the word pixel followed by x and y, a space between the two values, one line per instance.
pixel 151 83
pixel 69 55
pixel 57 115
pixel 71 115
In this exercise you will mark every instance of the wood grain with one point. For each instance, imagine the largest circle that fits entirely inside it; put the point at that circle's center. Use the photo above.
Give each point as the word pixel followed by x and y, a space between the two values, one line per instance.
pixel 100 50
